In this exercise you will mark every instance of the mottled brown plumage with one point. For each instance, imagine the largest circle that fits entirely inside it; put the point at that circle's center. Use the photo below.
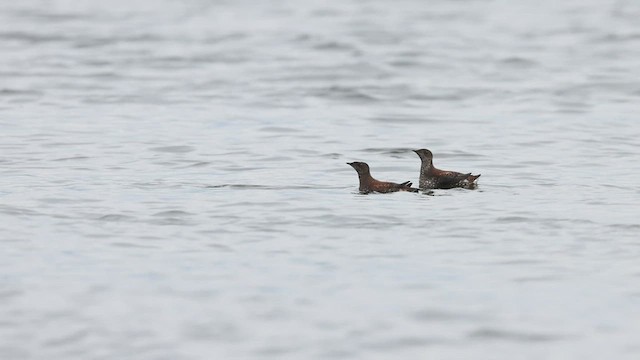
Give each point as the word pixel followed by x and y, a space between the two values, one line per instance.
pixel 369 184
pixel 432 178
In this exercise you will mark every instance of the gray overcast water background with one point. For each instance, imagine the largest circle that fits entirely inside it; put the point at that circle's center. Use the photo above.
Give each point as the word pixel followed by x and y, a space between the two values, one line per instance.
pixel 173 181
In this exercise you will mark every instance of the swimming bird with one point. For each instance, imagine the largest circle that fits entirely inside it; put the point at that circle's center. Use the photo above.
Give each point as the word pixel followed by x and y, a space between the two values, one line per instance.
pixel 369 184
pixel 432 178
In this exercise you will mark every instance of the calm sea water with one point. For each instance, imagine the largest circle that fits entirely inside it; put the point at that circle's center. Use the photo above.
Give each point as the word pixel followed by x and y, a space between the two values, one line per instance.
pixel 173 181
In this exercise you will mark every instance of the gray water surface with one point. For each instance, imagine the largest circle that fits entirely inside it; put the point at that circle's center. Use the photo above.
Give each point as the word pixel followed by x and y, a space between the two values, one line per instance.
pixel 173 181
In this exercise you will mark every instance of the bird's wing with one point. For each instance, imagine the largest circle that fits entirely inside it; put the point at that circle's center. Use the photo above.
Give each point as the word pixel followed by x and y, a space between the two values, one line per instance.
pixel 451 178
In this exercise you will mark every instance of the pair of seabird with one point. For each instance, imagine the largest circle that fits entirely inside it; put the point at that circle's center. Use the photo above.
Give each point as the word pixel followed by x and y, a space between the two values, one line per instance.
pixel 430 177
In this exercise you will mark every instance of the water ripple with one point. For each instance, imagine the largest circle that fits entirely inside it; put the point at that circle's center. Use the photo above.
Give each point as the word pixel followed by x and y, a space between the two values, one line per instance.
pixel 525 337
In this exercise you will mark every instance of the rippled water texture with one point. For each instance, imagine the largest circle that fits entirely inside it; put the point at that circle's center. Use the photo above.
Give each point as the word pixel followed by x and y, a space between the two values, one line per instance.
pixel 173 181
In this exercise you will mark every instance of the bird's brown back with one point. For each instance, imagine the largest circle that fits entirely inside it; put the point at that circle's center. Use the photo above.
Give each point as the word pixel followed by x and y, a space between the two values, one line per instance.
pixel 386 187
